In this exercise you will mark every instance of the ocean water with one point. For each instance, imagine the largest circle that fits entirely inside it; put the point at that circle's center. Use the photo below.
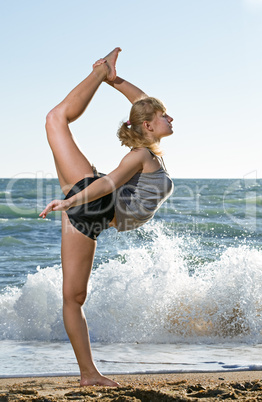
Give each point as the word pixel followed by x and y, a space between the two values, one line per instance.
pixel 182 293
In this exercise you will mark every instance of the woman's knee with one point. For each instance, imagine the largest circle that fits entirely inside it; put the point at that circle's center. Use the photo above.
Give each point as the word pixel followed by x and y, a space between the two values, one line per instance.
pixel 49 126
pixel 55 120
pixel 71 296
pixel 50 119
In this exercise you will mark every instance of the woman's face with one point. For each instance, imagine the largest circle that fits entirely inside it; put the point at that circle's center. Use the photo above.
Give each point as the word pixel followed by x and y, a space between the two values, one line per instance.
pixel 161 125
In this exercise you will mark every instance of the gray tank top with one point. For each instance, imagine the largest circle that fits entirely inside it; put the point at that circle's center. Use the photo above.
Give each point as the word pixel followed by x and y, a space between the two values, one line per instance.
pixel 138 200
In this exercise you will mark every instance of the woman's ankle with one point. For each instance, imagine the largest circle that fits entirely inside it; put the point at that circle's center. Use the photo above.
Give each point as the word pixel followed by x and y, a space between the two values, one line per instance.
pixel 101 71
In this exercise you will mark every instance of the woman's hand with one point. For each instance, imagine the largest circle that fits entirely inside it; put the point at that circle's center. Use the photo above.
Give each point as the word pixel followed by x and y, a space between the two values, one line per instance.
pixel 56 205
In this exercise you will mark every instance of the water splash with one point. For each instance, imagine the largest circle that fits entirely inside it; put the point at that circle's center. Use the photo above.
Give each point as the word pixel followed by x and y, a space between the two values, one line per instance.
pixel 153 293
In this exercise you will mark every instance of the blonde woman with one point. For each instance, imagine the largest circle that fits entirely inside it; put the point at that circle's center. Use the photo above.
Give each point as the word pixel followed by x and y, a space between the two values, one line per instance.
pixel 126 198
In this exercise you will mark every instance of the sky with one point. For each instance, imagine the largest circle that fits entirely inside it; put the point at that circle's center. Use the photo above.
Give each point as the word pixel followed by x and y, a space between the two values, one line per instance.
pixel 202 58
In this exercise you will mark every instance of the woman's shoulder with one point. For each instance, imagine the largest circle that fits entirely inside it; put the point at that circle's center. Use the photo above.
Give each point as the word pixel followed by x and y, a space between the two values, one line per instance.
pixel 142 152
pixel 138 157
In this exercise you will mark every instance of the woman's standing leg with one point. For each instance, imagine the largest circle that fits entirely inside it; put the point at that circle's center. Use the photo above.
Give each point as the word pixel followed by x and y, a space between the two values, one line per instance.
pixel 77 249
pixel 77 259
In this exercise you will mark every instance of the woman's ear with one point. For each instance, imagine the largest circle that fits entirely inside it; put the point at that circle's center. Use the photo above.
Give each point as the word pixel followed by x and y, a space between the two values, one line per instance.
pixel 147 125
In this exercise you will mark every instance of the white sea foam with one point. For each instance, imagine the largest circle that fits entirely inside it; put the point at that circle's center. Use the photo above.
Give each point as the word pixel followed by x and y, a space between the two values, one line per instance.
pixel 148 294
pixel 35 310
pixel 153 298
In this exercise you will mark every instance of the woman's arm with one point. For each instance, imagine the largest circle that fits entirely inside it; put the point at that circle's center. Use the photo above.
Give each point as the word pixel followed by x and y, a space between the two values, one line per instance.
pixel 127 168
pixel 131 164
pixel 131 92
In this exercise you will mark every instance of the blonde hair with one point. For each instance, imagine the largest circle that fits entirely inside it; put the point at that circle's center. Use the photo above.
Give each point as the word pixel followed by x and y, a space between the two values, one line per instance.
pixel 131 133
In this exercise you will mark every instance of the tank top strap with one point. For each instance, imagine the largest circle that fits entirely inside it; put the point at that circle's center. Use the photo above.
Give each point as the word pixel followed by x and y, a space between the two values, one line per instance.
pixel 160 159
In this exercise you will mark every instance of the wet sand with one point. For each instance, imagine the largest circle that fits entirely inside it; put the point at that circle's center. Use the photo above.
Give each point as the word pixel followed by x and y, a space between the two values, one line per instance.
pixel 244 385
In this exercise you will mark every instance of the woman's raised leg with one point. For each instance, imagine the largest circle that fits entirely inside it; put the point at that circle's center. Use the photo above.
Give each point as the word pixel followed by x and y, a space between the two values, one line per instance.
pixel 71 164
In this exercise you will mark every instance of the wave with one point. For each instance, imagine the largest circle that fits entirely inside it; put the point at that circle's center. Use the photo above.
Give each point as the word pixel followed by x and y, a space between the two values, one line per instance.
pixel 154 293
pixel 9 212
pixel 10 241
pixel 23 212
pixel 257 200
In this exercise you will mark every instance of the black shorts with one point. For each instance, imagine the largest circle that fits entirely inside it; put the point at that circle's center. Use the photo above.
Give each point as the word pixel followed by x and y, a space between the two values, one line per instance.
pixel 93 217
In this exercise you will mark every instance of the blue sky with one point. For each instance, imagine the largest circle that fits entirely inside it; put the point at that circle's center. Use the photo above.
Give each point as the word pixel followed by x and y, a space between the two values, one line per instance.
pixel 203 58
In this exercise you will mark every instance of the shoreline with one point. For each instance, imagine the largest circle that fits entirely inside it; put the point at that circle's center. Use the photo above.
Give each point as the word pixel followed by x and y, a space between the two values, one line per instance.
pixel 139 387
pixel 135 373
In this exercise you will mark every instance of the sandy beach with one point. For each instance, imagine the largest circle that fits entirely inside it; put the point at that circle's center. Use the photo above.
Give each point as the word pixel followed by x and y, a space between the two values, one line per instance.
pixel 244 386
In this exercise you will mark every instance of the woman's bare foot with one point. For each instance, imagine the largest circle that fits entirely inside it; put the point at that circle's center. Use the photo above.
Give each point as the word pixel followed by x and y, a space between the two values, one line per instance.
pixel 111 59
pixel 110 63
pixel 98 380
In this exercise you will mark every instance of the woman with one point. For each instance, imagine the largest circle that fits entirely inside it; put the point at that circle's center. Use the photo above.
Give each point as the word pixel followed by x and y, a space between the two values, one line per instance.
pixel 140 181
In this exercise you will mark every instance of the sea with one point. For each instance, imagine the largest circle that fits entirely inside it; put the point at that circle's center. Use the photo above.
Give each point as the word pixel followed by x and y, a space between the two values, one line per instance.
pixel 183 293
